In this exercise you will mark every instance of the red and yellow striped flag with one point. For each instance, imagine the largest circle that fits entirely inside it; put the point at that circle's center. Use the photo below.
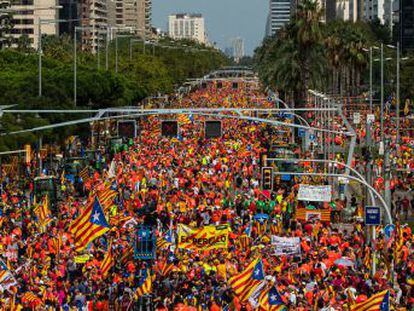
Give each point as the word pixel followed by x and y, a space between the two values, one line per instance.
pixel 377 302
pixel 144 285
pixel 107 262
pixel 90 225
pixel 244 283
pixel 42 212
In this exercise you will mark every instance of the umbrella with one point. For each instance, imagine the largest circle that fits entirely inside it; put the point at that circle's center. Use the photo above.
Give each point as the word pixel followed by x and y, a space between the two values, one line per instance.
pixel 344 261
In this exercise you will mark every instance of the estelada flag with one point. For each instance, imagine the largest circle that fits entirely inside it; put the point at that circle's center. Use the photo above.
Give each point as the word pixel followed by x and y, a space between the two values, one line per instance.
pixel 90 225
pixel 377 302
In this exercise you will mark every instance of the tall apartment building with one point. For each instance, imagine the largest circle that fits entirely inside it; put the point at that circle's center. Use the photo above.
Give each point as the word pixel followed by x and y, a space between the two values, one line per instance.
pixel 187 26
pixel 94 22
pixel 279 15
pixel 132 14
pixel 26 17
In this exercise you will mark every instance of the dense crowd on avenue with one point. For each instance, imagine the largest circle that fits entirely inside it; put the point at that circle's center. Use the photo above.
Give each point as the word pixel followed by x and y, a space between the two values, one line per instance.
pixel 192 186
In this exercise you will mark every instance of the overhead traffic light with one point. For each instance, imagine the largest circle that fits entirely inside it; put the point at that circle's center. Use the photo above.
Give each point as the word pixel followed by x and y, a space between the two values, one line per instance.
pixel 212 129
pixel 169 128
pixel 127 128
pixel 267 178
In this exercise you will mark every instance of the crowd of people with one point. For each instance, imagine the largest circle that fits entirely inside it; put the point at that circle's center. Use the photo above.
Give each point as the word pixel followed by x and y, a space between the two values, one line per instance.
pixel 164 182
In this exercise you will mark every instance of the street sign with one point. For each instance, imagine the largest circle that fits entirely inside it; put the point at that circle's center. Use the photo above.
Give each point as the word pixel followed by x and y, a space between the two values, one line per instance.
pixel 312 137
pixel 388 230
pixel 372 215
pixel 370 118
pixel 301 132
pixel 357 118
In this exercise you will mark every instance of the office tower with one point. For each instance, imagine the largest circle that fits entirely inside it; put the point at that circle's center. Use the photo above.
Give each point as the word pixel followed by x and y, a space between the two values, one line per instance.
pixel 238 48
pixel 279 15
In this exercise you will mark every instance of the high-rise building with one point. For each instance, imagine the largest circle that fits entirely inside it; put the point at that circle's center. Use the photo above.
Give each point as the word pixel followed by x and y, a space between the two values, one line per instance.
pixel 132 14
pixel 27 14
pixel 378 9
pixel 94 23
pixel 187 26
pixel 238 48
pixel 279 15
pixel 69 11
pixel 347 10
pixel 405 27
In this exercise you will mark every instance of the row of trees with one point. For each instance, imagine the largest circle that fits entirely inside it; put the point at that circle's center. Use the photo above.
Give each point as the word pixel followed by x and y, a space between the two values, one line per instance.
pixel 332 57
pixel 159 70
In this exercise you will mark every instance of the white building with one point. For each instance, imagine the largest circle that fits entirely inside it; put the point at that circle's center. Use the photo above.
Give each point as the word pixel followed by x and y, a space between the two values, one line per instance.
pixel 347 10
pixel 28 13
pixel 187 26
pixel 238 48
pixel 279 15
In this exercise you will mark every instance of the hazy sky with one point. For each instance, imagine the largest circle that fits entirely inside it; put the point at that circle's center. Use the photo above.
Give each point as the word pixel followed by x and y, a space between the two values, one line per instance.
pixel 224 19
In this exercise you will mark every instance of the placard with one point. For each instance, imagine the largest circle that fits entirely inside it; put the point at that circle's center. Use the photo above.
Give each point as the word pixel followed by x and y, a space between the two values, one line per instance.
pixel 315 193
pixel 285 245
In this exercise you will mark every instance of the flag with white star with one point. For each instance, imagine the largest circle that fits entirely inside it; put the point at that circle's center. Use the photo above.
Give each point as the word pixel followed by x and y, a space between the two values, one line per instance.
pixel 379 301
pixel 90 225
pixel 245 283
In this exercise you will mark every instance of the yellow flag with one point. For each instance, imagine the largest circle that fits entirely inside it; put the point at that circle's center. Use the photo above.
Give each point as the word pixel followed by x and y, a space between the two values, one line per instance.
pixel 407 106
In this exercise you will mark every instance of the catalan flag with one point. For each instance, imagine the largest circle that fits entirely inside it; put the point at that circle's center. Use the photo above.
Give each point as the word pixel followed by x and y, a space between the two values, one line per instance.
pixel 377 302
pixel 84 174
pixel 168 265
pixel 144 284
pixel 184 119
pixel 106 197
pixel 42 213
pixel 244 283
pixel 107 262
pixel 90 225
pixel 6 278
pixel 33 300
pixel 165 241
pixel 127 255
pixel 261 227
pixel 270 300
pixel 399 243
pixel 407 106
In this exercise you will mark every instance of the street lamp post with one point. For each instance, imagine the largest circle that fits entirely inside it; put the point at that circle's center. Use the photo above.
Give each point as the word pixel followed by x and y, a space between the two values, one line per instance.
pixel 398 95
pixel 370 79
pixel 382 96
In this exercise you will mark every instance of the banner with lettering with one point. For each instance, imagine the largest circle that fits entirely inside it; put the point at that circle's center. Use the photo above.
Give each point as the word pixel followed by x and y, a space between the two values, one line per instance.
pixel 286 245
pixel 311 193
pixel 205 238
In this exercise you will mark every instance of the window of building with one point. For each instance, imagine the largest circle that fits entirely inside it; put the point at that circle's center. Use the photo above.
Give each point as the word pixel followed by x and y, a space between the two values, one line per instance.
pixel 23 21
pixel 22 2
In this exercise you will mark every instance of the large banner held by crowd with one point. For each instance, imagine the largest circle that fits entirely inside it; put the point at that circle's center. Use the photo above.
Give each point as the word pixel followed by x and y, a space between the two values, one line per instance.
pixel 285 245
pixel 205 238
pixel 315 193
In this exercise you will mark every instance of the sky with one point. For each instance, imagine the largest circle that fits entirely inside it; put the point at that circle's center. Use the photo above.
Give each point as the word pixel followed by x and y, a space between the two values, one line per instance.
pixel 224 19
